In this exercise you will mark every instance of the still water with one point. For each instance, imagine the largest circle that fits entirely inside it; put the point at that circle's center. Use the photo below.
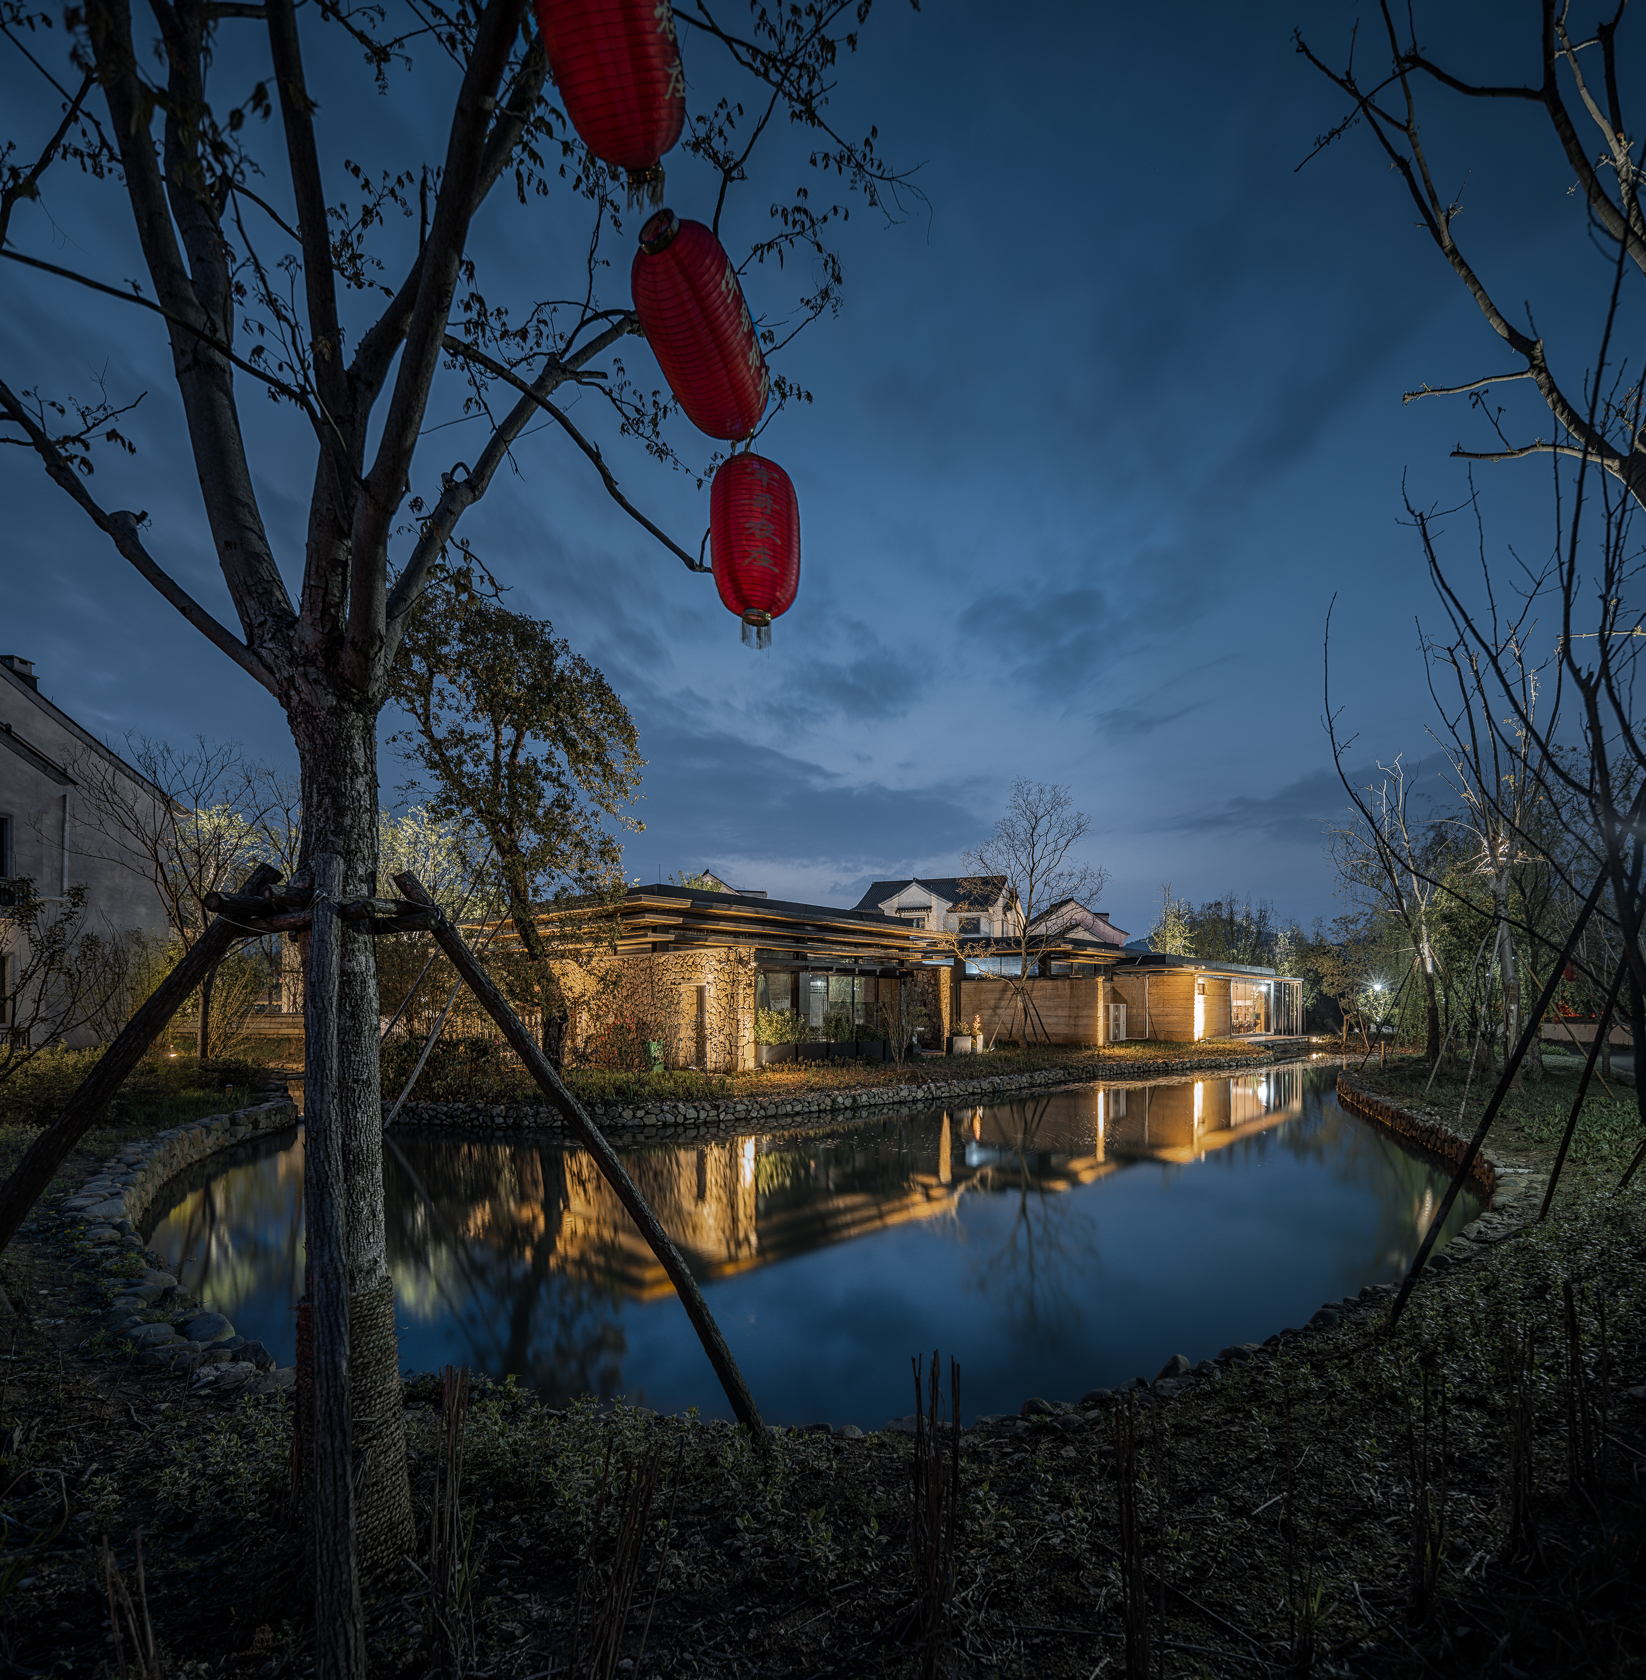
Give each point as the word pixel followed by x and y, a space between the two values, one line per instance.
pixel 1052 1245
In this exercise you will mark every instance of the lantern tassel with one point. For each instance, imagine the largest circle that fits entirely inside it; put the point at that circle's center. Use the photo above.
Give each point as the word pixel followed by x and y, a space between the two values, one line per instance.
pixel 645 187
pixel 757 635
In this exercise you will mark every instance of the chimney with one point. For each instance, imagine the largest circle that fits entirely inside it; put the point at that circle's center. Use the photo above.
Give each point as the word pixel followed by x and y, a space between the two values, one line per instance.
pixel 21 668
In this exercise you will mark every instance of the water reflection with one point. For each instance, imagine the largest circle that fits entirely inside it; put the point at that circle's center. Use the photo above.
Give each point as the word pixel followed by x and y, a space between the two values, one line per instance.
pixel 1073 1238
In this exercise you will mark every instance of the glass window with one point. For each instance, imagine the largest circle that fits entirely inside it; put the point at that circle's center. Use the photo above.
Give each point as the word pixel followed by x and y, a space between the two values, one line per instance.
pixel 815 993
pixel 774 989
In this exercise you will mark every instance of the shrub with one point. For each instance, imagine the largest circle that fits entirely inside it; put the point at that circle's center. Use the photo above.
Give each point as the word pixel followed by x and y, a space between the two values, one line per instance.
pixel 779 1026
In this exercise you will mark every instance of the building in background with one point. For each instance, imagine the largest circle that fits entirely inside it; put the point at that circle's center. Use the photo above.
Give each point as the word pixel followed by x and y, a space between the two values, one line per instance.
pixel 41 748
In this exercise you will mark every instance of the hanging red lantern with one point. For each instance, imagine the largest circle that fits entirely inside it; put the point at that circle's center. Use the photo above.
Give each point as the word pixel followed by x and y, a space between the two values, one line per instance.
pixel 687 296
pixel 617 65
pixel 754 540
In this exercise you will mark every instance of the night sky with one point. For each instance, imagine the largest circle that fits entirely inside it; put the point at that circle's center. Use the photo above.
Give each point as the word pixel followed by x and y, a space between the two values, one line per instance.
pixel 1100 430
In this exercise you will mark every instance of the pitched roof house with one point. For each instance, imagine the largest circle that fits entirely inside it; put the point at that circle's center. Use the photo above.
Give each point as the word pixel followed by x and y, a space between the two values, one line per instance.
pixel 982 905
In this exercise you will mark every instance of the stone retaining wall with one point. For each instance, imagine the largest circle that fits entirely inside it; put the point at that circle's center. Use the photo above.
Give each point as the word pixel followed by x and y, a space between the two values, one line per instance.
pixel 137 1174
pixel 1427 1132
pixel 146 1309
pixel 628 1121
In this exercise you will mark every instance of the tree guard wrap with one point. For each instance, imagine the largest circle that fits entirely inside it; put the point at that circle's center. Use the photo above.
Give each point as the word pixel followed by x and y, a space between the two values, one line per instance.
pixel 754 539
pixel 617 66
pixel 687 296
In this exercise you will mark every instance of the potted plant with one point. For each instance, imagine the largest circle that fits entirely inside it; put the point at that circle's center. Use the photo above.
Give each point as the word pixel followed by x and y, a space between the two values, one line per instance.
pixel 840 1030
pixel 775 1032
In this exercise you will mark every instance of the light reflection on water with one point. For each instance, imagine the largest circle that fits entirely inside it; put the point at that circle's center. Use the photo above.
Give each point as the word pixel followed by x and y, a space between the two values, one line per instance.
pixel 1052 1245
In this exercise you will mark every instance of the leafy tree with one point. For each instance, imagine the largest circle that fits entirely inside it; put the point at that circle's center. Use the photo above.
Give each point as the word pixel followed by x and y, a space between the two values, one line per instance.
pixel 1173 934
pixel 528 741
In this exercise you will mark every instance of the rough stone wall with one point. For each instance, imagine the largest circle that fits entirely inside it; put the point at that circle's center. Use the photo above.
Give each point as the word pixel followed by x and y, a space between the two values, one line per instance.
pixel 661 991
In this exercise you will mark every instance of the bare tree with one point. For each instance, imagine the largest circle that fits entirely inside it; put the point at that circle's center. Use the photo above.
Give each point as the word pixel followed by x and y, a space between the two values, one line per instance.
pixel 57 975
pixel 1031 858
pixel 193 822
pixel 1605 177
pixel 364 312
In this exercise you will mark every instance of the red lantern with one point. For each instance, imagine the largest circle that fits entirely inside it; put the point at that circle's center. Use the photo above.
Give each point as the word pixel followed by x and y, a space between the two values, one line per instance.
pixel 617 65
pixel 687 296
pixel 754 538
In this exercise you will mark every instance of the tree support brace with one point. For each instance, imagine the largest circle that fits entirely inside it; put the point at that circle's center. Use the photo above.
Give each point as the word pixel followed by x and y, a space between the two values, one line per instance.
pixel 605 1157
pixel 86 1107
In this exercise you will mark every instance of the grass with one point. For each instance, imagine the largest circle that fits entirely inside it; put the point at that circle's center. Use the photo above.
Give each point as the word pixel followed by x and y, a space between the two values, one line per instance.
pixel 1532 1117
pixel 171 1091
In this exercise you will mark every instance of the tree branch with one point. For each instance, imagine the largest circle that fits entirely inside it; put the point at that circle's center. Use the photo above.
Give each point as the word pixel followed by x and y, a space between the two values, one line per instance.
pixel 204 380
pixel 121 528
pixel 420 354
pixel 1473 385
pixel 457 348
pixel 27 186
pixel 458 495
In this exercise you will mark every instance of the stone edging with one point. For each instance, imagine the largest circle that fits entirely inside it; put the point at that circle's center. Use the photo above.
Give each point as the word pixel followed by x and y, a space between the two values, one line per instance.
pixel 1430 1133
pixel 169 1328
pixel 1515 1192
pixel 629 1121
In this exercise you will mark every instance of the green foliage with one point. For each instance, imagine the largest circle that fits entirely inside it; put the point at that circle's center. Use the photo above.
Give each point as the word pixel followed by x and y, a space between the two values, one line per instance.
pixel 839 1027
pixel 159 1093
pixel 524 738
pixel 779 1026
pixel 238 1463
pixel 482 1070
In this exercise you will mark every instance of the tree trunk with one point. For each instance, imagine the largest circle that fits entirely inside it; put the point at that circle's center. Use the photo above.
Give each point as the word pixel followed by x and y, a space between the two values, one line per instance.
pixel 337 750
pixel 1507 969
pixel 1431 1025
pixel 203 1037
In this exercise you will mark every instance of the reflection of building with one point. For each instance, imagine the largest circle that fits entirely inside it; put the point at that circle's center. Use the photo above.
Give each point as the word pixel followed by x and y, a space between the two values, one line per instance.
pixel 740 1204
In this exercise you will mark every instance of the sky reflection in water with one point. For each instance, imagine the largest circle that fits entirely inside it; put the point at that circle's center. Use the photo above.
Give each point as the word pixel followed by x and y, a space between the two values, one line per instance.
pixel 1051 1246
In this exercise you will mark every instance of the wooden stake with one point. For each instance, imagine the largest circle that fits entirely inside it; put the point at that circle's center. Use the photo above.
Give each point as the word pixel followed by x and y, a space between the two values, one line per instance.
pixel 605 1157
pixel 86 1107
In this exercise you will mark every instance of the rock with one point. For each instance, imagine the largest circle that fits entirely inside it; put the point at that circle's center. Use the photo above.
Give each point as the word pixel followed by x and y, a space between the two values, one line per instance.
pixel 100 1234
pixel 1096 1396
pixel 900 1425
pixel 1325 1319
pixel 1236 1354
pixel 145 1293
pixel 221 1379
pixel 1072 1423
pixel 151 1335
pixel 164 1279
pixel 264 1360
pixel 1177 1366
pixel 1205 1369
pixel 208 1327
pixel 274 1383
pixel 1168 1388
pixel 1034 1406
pixel 849 1432
pixel 805 1428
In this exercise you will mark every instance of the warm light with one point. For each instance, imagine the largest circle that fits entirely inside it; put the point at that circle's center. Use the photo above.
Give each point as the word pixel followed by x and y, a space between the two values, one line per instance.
pixel 748 1162
pixel 1199 1102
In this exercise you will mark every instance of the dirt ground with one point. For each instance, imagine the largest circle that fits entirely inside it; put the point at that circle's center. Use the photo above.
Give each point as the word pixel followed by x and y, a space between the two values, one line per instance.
pixel 1278 1503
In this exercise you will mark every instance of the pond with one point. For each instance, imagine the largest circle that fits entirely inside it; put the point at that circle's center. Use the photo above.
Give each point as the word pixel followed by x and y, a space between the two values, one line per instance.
pixel 1052 1245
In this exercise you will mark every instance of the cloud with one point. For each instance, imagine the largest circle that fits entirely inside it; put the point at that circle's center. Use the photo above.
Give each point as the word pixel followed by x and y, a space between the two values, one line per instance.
pixel 1295 813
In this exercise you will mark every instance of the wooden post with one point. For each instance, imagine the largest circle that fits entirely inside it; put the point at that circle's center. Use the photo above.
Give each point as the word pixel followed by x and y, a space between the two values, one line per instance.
pixel 615 1173
pixel 338 1623
pixel 86 1107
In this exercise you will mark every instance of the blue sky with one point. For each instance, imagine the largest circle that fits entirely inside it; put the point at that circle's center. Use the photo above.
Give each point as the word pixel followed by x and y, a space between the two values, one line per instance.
pixel 1097 435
